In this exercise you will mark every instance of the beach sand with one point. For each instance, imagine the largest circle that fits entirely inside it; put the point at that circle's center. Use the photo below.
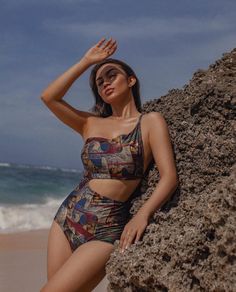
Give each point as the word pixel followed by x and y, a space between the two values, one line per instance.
pixel 23 258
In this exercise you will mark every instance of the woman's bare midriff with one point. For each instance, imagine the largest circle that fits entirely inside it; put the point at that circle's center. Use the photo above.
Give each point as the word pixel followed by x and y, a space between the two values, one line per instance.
pixel 119 190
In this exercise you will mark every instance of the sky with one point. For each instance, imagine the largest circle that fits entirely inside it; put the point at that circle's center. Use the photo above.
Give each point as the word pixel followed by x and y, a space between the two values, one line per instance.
pixel 165 42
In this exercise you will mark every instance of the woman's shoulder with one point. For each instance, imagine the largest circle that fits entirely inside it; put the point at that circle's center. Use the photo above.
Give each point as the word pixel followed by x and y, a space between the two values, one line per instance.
pixel 153 117
pixel 154 121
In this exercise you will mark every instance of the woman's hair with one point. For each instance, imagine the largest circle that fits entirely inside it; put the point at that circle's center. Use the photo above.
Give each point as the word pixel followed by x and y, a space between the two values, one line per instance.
pixel 102 108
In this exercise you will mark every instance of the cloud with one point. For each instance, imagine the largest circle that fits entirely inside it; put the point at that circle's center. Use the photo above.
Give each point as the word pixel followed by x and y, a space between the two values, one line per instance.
pixel 19 3
pixel 141 27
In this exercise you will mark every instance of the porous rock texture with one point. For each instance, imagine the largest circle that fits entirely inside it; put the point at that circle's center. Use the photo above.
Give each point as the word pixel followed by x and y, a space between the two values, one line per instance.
pixel 190 243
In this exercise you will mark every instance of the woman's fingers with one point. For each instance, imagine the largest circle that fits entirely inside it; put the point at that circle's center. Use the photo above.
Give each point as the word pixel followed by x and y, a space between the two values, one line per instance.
pixel 101 50
pixel 100 42
pixel 112 47
pixel 126 240
pixel 138 236
pixel 107 45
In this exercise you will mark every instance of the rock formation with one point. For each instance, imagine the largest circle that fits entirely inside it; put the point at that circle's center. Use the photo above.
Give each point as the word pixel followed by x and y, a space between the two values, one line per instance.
pixel 190 243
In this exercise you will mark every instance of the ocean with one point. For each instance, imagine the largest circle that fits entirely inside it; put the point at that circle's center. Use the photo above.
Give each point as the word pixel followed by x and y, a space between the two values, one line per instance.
pixel 30 195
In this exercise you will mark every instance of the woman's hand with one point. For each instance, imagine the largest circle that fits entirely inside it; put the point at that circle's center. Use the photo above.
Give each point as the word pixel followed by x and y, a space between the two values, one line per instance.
pixel 133 231
pixel 101 51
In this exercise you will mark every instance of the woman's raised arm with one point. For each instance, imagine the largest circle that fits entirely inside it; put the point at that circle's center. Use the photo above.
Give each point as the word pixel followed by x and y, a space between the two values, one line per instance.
pixel 54 92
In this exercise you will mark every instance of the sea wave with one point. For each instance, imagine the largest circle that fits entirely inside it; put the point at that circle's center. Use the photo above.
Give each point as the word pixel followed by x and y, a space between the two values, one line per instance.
pixel 25 217
pixel 41 167
pixel 5 164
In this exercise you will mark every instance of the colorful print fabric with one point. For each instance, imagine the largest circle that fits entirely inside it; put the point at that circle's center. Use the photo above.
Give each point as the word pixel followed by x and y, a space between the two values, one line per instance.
pixel 120 157
pixel 86 215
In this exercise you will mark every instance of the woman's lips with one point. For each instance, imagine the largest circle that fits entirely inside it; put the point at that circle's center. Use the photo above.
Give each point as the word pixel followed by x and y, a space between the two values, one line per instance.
pixel 108 91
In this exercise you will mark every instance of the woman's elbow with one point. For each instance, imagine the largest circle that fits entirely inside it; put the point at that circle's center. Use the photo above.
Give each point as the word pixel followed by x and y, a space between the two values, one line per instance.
pixel 174 181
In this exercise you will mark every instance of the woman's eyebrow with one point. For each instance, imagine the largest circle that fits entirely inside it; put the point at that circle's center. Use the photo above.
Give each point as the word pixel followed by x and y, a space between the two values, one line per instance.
pixel 106 73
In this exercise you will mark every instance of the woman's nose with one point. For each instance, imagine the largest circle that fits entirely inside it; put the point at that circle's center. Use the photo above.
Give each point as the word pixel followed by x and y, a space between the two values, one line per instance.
pixel 106 82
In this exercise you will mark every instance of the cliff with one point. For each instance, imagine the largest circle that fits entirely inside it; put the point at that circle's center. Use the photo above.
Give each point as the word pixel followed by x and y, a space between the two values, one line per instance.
pixel 189 244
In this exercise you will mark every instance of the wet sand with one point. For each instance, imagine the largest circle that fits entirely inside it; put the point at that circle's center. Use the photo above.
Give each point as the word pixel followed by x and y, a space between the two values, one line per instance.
pixel 23 258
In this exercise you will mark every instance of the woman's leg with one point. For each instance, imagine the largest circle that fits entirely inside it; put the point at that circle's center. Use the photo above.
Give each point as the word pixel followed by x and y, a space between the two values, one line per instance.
pixel 58 250
pixel 83 270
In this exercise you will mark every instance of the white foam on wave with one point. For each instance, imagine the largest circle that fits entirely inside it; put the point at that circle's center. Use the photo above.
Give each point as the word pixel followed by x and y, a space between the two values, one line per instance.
pixel 70 170
pixel 28 216
pixel 41 167
pixel 5 164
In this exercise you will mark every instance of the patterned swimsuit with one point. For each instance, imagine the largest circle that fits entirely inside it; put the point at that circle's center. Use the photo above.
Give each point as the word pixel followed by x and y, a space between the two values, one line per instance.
pixel 87 215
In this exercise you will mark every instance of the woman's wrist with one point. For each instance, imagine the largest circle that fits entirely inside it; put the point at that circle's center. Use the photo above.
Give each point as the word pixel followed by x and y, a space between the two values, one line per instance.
pixel 144 214
pixel 86 61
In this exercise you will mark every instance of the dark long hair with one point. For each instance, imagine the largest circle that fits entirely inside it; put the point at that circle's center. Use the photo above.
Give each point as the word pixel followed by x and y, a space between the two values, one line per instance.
pixel 102 108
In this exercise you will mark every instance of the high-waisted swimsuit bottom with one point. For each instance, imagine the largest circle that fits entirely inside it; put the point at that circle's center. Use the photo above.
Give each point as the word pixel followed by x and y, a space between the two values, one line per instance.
pixel 86 215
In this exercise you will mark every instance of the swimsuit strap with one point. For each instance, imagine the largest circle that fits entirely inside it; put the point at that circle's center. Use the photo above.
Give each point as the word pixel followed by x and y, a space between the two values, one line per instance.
pixel 137 127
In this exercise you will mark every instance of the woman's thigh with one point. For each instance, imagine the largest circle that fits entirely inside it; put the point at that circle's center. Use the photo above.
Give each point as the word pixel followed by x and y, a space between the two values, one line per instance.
pixel 83 270
pixel 58 250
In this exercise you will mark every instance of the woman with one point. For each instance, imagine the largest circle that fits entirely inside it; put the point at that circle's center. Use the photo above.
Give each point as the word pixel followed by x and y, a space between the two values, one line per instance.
pixel 120 143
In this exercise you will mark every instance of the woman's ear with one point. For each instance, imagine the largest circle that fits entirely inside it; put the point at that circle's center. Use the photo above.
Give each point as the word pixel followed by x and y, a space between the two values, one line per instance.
pixel 132 81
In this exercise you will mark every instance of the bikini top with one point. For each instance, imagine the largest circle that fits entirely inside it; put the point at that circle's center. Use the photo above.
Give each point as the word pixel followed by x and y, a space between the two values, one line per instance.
pixel 121 157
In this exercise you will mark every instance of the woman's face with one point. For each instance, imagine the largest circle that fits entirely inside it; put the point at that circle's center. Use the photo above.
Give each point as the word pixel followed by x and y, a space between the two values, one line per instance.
pixel 112 81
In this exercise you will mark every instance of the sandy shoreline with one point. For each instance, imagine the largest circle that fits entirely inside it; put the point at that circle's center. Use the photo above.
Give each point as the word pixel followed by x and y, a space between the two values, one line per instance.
pixel 23 258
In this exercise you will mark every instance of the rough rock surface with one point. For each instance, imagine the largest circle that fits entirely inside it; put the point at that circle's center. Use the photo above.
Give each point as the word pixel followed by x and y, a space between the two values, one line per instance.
pixel 189 244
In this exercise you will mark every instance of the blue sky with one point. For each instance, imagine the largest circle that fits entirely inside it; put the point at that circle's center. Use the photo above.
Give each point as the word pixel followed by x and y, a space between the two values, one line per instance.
pixel 163 41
